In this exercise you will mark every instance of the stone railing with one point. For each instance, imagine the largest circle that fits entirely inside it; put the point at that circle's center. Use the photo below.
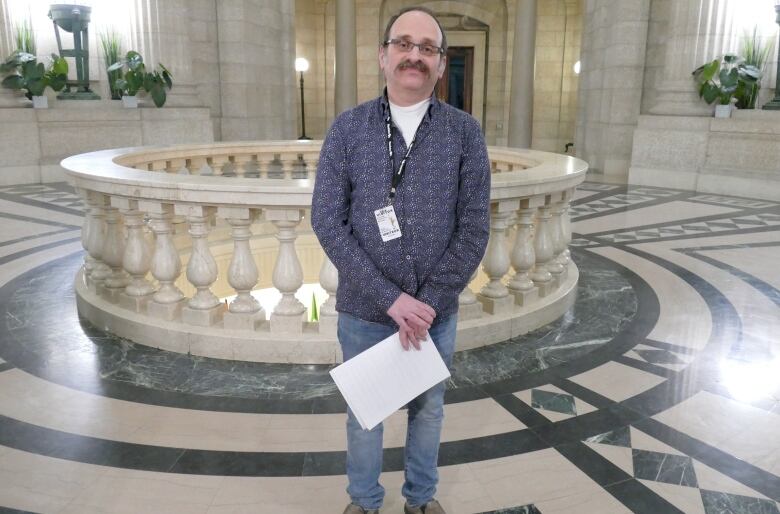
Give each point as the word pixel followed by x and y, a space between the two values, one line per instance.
pixel 237 214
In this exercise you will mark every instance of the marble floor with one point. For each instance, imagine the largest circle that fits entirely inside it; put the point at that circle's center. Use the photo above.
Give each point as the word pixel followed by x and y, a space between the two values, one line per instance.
pixel 657 393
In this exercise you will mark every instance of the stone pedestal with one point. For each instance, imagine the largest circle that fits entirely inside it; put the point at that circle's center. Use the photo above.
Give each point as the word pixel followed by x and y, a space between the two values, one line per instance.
pixel 470 311
pixel 134 303
pixel 523 298
pixel 243 320
pixel 496 306
pixel 545 288
pixel 287 324
pixel 165 311
pixel 328 324
pixel 202 317
pixel 111 294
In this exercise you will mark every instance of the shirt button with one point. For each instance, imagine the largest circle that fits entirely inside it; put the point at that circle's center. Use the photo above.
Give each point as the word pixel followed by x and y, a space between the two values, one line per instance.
pixel 408 257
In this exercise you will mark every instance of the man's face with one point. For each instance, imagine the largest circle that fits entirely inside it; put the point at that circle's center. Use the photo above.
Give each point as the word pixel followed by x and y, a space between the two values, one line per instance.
pixel 411 72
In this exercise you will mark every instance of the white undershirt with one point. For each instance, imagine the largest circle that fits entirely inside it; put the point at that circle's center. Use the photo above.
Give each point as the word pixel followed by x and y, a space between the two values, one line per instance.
pixel 407 119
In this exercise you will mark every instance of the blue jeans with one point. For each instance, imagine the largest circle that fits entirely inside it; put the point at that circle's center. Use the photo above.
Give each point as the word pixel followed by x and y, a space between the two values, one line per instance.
pixel 425 415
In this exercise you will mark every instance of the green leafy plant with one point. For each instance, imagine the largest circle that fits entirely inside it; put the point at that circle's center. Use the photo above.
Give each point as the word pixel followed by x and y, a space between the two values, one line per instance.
pixel 724 79
pixel 136 78
pixel 24 37
pixel 111 44
pixel 754 53
pixel 26 73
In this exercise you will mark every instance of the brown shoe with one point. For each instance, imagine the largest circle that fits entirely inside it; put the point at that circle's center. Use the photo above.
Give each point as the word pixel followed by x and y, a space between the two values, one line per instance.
pixel 432 507
pixel 357 509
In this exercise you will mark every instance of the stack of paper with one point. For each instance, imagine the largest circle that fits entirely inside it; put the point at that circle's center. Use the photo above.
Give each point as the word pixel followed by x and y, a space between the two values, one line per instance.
pixel 386 377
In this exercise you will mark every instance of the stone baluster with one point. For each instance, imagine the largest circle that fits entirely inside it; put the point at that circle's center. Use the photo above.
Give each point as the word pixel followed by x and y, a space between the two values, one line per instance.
pixel 543 247
pixel 204 308
pixel 559 226
pixel 217 164
pixel 311 160
pixel 137 257
pixel 289 161
pixel 97 234
pixel 264 161
pixel 244 312
pixel 468 306
pixel 523 256
pixel 329 280
pixel 158 166
pixel 166 264
pixel 494 295
pixel 195 165
pixel 178 166
pixel 112 254
pixel 240 163
pixel 89 262
pixel 566 227
pixel 556 239
pixel 289 314
pixel 502 166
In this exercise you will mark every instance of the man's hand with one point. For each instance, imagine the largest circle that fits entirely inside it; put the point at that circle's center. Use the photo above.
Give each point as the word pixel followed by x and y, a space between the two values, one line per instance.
pixel 413 317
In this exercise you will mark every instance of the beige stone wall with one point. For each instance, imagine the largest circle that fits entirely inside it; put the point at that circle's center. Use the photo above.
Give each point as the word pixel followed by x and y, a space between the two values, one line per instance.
pixel 558 35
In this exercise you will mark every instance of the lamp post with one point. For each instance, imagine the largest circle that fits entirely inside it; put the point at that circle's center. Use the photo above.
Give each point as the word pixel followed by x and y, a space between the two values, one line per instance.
pixel 302 65
pixel 775 103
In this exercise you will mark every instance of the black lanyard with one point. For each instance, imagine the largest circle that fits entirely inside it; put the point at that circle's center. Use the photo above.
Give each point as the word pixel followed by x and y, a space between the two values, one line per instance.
pixel 399 174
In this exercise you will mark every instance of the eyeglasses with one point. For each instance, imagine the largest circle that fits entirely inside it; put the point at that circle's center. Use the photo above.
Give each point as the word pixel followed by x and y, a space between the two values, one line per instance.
pixel 405 46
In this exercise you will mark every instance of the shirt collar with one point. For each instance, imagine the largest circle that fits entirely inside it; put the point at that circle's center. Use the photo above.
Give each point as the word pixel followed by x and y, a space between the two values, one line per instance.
pixel 384 104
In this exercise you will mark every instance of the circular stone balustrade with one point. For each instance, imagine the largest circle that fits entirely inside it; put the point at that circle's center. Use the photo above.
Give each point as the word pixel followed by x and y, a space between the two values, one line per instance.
pixel 170 231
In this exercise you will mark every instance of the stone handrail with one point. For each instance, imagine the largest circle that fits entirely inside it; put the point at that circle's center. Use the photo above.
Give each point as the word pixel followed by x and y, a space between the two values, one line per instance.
pixel 150 207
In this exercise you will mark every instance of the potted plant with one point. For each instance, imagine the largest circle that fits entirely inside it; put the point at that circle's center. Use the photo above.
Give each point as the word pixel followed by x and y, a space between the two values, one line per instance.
pixel 111 44
pixel 755 53
pixel 722 80
pixel 26 73
pixel 136 78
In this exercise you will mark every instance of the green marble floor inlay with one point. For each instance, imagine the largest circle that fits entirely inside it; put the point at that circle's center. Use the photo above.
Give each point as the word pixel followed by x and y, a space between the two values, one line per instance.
pixel 556 402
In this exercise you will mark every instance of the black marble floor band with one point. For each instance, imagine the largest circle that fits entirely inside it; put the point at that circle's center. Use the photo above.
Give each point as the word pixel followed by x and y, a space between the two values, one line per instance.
pixel 39 221
pixel 24 253
pixel 763 287
pixel 43 205
pixel 36 236
pixel 5 366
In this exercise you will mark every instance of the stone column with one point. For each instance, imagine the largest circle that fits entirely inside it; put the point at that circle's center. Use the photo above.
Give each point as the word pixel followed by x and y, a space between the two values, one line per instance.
pixel 160 36
pixel 522 92
pixel 346 56
pixel 698 31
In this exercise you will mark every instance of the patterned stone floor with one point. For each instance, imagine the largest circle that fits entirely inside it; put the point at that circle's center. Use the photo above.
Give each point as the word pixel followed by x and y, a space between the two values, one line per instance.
pixel 659 392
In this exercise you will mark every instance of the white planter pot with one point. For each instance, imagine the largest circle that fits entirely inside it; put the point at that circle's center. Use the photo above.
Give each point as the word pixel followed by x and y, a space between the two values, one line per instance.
pixel 130 102
pixel 723 111
pixel 40 102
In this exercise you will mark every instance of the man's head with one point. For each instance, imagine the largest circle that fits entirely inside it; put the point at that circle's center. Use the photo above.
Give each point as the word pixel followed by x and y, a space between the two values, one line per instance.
pixel 411 71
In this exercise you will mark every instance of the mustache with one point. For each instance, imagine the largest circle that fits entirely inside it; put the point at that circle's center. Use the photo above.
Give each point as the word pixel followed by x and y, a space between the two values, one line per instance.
pixel 418 65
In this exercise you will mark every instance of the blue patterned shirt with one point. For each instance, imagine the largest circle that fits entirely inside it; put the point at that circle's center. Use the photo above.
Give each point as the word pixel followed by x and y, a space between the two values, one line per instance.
pixel 442 205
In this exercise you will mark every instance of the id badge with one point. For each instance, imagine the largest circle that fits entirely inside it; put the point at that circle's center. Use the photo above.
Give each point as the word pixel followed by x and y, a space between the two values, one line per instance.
pixel 388 223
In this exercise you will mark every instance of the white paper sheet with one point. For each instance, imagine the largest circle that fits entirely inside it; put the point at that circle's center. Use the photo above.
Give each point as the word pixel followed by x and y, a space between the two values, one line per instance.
pixel 386 377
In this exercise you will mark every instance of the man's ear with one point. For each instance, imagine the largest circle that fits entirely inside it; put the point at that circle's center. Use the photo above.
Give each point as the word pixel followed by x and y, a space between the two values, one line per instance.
pixel 442 65
pixel 381 55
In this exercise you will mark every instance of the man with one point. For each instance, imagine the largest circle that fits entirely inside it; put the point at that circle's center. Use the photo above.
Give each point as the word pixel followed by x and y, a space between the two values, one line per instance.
pixel 401 208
